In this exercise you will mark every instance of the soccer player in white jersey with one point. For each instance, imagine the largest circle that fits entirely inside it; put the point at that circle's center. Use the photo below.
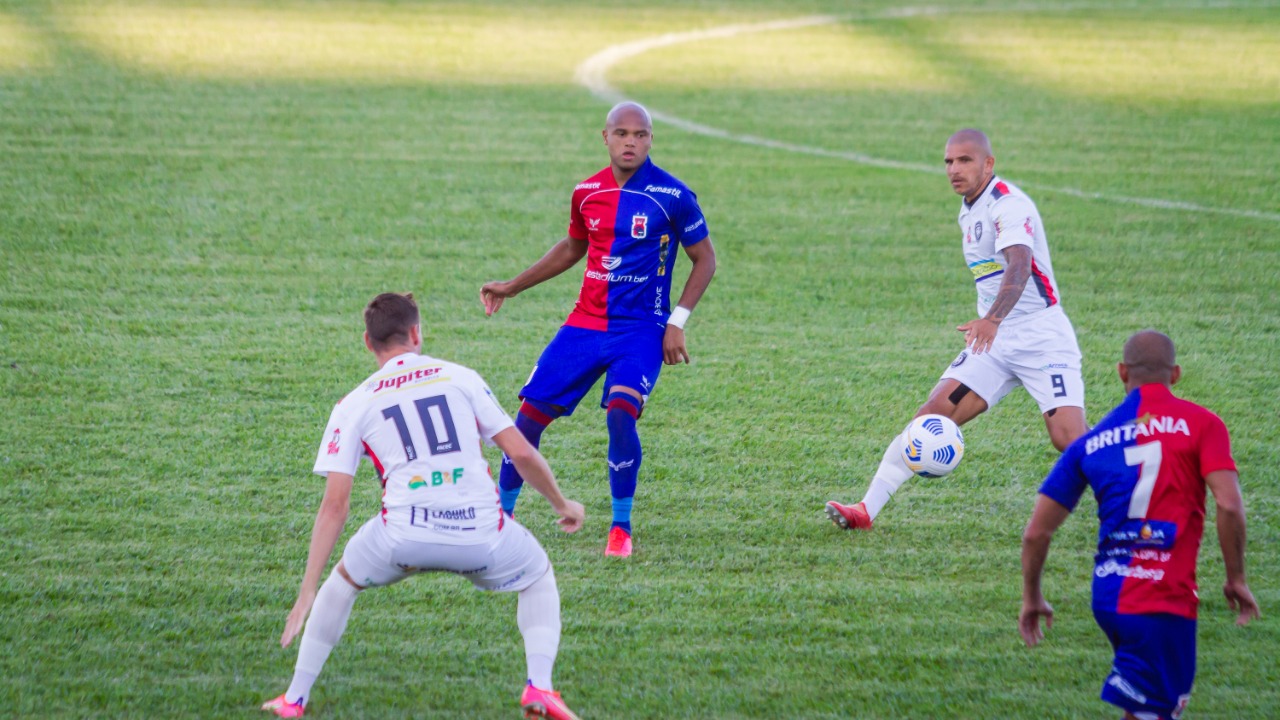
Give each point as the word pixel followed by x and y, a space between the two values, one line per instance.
pixel 1021 335
pixel 421 421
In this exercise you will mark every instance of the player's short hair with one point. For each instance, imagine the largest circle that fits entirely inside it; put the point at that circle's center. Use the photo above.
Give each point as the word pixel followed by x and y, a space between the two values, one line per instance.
pixel 388 319
pixel 1150 355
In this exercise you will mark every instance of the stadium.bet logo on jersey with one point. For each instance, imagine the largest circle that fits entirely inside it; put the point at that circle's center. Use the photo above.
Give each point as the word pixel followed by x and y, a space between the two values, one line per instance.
pixel 639 226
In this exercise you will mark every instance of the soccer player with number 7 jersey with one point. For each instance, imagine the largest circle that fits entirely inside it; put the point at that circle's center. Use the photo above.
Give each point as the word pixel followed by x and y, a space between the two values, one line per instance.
pixel 420 421
pixel 1148 463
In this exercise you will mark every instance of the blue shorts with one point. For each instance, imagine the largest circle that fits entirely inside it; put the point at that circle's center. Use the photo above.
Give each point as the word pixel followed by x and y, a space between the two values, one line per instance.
pixel 576 358
pixel 1155 663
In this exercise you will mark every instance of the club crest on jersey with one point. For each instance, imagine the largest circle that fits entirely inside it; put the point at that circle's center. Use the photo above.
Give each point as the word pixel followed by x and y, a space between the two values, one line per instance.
pixel 639 226
pixel 611 262
pixel 977 232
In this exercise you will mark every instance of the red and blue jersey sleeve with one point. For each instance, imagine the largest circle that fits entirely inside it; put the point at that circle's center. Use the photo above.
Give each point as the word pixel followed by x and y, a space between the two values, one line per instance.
pixel 1065 483
pixel 689 223
pixel 1215 445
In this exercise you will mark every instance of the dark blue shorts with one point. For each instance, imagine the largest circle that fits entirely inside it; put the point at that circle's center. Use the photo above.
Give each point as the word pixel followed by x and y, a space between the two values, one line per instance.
pixel 576 358
pixel 1155 663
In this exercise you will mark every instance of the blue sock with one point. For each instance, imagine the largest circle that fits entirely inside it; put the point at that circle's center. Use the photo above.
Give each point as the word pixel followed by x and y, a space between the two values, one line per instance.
pixel 533 418
pixel 624 455
pixel 622 513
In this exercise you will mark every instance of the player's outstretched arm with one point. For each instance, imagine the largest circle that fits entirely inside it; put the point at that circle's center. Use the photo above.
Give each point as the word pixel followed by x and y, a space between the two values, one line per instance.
pixel 1048 515
pixel 703 256
pixel 330 520
pixel 1225 486
pixel 562 256
pixel 981 333
pixel 535 471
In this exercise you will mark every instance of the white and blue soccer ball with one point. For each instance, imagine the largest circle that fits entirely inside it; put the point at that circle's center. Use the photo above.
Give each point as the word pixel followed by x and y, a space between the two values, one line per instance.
pixel 934 446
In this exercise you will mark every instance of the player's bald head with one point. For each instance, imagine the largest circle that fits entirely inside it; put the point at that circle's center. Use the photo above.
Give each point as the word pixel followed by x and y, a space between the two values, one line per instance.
pixel 628 111
pixel 976 138
pixel 1150 358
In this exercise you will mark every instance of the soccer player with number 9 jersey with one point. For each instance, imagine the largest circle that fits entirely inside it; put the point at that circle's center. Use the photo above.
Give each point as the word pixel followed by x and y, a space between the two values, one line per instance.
pixel 1020 337
pixel 1148 463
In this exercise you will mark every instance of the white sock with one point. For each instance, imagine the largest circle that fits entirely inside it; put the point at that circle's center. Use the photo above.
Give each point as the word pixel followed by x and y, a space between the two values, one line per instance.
pixel 538 615
pixel 893 471
pixel 324 629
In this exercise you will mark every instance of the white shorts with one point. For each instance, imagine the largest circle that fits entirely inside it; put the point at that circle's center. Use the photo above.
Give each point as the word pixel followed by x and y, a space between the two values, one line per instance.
pixel 1038 352
pixel 510 561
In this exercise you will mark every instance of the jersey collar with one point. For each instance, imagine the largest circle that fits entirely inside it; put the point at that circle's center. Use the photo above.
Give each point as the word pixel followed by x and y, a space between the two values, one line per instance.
pixel 399 360
pixel 642 171
pixel 987 189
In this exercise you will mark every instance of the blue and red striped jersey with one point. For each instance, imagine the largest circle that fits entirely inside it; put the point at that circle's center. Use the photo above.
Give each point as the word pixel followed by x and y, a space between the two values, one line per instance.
pixel 1146 462
pixel 632 233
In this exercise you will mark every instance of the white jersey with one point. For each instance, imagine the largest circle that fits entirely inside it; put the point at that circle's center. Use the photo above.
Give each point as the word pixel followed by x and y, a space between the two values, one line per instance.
pixel 1002 216
pixel 421 421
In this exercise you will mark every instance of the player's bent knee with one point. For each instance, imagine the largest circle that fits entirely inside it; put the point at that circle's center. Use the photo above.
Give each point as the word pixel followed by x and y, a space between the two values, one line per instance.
pixel 342 571
pixel 623 402
pixel 1065 424
pixel 955 400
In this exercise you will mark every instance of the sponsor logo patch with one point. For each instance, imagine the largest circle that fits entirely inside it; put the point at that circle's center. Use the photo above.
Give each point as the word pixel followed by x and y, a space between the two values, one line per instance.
pixel 611 262
pixel 414 376
pixel 667 190
pixel 613 278
pixel 587 186
pixel 983 269
pixel 334 442
pixel 1145 426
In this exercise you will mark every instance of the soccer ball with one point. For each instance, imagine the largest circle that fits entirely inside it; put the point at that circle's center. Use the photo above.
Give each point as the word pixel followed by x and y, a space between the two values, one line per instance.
pixel 934 446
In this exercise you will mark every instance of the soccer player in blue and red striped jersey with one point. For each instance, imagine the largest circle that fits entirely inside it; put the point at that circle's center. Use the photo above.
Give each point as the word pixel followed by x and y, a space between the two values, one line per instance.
pixel 627 220
pixel 1148 463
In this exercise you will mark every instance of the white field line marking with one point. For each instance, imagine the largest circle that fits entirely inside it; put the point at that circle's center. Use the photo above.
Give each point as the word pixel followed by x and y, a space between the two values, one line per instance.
pixel 592 74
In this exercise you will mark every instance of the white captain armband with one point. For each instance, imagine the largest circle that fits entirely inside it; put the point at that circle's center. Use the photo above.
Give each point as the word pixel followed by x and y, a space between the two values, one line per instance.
pixel 679 316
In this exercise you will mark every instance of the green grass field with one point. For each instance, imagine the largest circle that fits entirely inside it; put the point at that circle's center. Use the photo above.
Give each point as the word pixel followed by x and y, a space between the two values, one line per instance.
pixel 197 200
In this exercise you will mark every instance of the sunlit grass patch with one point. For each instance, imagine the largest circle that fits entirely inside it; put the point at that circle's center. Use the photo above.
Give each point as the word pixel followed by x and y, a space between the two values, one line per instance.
pixel 21 48
pixel 367 41
pixel 836 56
pixel 1184 56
